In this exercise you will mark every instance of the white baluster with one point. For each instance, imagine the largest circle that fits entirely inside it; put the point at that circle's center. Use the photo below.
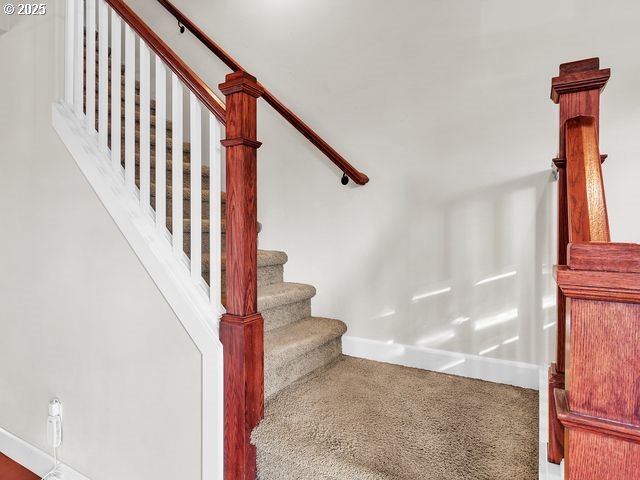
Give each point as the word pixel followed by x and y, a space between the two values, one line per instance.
pixel 116 98
pixel 176 164
pixel 161 146
pixel 196 188
pixel 103 79
pixel 69 48
pixel 145 127
pixel 90 92
pixel 129 107
pixel 79 61
pixel 215 216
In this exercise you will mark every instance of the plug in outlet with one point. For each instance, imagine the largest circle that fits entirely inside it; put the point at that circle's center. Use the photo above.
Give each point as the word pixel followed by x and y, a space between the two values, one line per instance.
pixel 54 424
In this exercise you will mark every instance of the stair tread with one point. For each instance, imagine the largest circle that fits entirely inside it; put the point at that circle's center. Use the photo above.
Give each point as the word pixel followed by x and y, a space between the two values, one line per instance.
pixel 286 343
pixel 277 294
pixel 266 258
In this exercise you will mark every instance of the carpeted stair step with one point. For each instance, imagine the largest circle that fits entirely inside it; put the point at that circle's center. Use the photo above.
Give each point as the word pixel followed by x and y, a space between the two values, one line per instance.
pixel 270 267
pixel 284 303
pixel 293 351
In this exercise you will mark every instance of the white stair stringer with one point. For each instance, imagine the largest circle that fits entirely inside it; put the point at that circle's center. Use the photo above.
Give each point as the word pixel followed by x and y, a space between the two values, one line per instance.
pixel 188 300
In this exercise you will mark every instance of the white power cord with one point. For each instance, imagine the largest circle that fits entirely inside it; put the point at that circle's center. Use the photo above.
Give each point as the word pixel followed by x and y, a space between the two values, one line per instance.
pixel 54 436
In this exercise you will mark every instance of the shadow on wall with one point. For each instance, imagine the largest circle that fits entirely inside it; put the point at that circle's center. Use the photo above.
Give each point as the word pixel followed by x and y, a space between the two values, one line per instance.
pixel 485 283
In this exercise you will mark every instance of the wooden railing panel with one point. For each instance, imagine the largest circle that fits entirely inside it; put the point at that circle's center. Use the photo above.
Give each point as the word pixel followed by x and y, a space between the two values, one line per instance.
pixel 600 407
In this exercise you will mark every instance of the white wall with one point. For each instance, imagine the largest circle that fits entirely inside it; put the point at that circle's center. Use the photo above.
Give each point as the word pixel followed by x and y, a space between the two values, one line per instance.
pixel 81 319
pixel 445 105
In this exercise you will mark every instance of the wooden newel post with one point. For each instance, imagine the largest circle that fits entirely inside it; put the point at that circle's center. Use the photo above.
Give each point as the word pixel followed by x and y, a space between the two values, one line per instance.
pixel 577 91
pixel 242 327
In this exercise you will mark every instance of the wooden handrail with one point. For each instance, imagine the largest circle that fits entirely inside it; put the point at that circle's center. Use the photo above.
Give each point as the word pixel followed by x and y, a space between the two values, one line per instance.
pixel 171 59
pixel 588 220
pixel 348 169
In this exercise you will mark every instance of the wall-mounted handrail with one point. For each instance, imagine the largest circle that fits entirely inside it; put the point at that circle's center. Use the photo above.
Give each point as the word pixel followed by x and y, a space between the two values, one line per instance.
pixel 348 169
pixel 171 59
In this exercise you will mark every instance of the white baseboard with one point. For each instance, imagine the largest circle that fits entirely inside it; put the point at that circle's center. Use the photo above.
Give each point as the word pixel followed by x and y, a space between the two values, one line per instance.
pixel 32 458
pixel 546 470
pixel 495 370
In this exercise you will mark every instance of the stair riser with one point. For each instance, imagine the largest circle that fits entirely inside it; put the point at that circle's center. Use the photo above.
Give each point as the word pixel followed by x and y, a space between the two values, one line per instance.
pixel 276 379
pixel 270 274
pixel 286 314
pixel 266 276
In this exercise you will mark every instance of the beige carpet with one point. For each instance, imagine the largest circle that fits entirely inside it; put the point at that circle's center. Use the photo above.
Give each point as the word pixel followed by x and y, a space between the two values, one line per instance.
pixel 365 420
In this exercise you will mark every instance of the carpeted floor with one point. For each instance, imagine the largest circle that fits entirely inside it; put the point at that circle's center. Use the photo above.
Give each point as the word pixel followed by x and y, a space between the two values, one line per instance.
pixel 365 420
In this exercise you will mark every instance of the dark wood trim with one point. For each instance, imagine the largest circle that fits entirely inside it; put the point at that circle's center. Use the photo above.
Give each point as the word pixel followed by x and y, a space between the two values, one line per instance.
pixel 242 327
pixel 338 160
pixel 579 76
pixel 555 446
pixel 600 426
pixel 599 285
pixel 171 59
pixel 604 257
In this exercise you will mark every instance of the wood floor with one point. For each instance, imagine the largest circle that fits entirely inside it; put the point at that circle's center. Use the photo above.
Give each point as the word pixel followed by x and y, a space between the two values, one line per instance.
pixel 10 470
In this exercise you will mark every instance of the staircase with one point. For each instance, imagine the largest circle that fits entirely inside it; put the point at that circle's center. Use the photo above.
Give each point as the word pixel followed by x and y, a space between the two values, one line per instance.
pixel 295 342
pixel 133 117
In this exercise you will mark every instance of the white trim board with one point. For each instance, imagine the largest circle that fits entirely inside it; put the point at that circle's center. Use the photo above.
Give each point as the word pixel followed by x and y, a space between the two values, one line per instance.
pixel 546 470
pixel 188 301
pixel 495 370
pixel 32 458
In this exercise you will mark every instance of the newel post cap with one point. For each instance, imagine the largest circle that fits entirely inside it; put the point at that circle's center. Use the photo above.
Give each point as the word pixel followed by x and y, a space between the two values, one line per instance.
pixel 241 81
pixel 579 76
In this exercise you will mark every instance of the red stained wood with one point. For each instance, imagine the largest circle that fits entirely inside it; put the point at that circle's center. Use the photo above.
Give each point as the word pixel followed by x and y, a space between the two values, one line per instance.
pixel 600 449
pixel 171 59
pixel 555 447
pixel 10 470
pixel 577 91
pixel 243 341
pixel 587 207
pixel 606 257
pixel 338 160
pixel 241 91
pixel 600 409
pixel 241 328
pixel 588 423
pixel 599 285
pixel 605 360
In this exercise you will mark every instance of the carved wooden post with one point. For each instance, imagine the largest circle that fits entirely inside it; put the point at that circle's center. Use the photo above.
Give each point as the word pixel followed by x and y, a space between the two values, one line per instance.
pixel 600 409
pixel 577 91
pixel 242 327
